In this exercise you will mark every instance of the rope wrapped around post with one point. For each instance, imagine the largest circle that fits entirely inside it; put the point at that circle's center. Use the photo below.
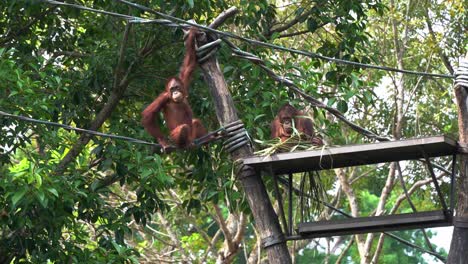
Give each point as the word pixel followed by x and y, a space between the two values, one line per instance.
pixel 236 132
pixel 461 74
pixel 209 49
pixel 238 136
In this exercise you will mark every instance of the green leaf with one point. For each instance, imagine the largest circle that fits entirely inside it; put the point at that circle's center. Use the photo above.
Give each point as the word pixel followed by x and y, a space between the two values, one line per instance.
pixel 350 94
pixel 227 69
pixel 53 191
pixel 331 76
pixel 312 24
pixel 18 195
pixel 275 35
pixel 342 106
pixel 118 247
pixel 299 11
pixel 38 179
pixel 145 174
pixel 133 259
pixel 13 93
pixel 190 2
pixel 94 185
pixel 41 197
pixel 259 116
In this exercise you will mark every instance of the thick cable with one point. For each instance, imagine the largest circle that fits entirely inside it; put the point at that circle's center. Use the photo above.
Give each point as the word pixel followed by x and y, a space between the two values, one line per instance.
pixel 130 19
pixel 91 9
pixel 314 102
pixel 217 134
pixel 234 36
pixel 461 74
pixel 282 48
pixel 81 130
pixel 237 136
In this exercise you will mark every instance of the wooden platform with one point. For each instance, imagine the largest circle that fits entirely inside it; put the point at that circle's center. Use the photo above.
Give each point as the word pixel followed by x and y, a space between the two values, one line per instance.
pixel 354 155
pixel 374 224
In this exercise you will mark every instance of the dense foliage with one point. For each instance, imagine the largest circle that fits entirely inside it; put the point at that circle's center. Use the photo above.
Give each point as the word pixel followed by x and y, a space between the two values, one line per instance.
pixel 69 197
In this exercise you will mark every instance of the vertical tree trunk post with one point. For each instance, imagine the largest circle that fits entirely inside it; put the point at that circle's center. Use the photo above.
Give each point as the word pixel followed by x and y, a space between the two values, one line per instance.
pixel 459 247
pixel 266 220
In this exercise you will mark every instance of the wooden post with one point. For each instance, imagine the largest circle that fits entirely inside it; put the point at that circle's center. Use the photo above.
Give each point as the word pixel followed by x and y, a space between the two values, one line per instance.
pixel 266 220
pixel 459 247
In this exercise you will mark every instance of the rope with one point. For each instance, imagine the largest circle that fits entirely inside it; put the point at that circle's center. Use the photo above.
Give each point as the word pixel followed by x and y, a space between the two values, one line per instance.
pixel 217 134
pixel 314 102
pixel 282 48
pixel 130 19
pixel 221 132
pixel 208 50
pixel 461 74
pixel 238 136
pixel 184 23
pixel 92 10
pixel 81 130
pixel 235 132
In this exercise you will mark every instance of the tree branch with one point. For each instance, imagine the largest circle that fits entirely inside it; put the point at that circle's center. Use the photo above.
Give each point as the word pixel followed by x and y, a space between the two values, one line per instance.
pixel 343 253
pixel 387 189
pixel 224 228
pixel 221 18
pixel 291 23
pixel 74 54
pixel 442 55
pixel 240 229
pixel 353 204
pixel 121 81
pixel 211 245
pixel 173 237
pixel 287 35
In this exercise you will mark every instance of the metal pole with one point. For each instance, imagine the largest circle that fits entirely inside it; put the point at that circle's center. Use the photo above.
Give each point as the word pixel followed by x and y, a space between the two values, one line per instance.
pixel 280 201
pixel 452 183
pixel 290 204
pixel 436 183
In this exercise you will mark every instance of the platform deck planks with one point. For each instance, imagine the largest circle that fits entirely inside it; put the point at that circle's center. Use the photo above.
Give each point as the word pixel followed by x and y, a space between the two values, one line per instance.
pixel 354 155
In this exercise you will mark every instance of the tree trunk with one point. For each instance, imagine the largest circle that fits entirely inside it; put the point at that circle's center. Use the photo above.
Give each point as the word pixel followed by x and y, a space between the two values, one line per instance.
pixel 459 247
pixel 266 220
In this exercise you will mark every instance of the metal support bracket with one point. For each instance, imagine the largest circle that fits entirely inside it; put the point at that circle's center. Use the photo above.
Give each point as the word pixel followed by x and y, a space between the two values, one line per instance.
pixel 242 167
pixel 279 197
pixel 434 180
pixel 462 148
pixel 272 240
pixel 461 222
pixel 290 207
pixel 452 183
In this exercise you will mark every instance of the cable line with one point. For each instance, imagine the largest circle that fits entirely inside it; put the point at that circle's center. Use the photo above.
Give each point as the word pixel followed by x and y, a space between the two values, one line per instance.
pixel 278 47
pixel 81 130
pixel 133 19
pixel 90 9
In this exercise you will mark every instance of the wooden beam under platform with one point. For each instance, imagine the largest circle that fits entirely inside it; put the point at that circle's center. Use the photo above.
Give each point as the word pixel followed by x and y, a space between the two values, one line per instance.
pixel 374 224
pixel 354 155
